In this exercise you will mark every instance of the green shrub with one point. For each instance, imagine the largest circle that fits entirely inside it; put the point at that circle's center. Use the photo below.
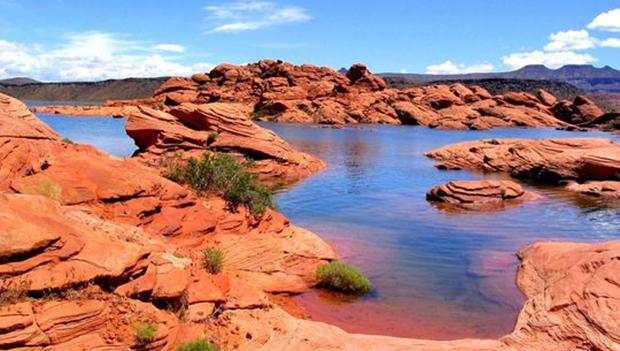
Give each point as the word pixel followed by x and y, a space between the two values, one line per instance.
pixel 67 140
pixel 343 278
pixel 144 332
pixel 493 142
pixel 221 174
pixel 307 110
pixel 45 187
pixel 212 137
pixel 503 193
pixel 197 345
pixel 262 112
pixel 213 260
pixel 616 176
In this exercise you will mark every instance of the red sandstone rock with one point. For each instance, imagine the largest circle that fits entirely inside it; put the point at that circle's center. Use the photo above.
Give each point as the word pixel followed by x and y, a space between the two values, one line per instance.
pixel 217 126
pixel 282 92
pixel 547 159
pixel 479 194
pixel 605 189
pixel 580 110
pixel 93 110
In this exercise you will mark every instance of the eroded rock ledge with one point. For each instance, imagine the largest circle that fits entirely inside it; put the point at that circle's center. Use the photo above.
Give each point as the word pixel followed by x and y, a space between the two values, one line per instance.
pixel 548 160
pixel 283 92
pixel 478 194
pixel 193 129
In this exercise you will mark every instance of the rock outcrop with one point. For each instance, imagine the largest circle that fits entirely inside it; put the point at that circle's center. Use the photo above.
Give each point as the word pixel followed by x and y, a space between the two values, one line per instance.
pixel 547 160
pixel 92 245
pixel 193 129
pixel 479 194
pixel 82 227
pixel 86 110
pixel 283 92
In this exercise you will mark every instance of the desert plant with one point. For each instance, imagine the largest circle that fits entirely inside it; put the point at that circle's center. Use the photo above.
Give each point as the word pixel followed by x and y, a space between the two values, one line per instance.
pixel 213 260
pixel 307 110
pixel 197 345
pixel 144 332
pixel 262 112
pixel 45 187
pixel 212 137
pixel 493 142
pixel 67 140
pixel 342 278
pixel 222 174
pixel 503 193
pixel 616 176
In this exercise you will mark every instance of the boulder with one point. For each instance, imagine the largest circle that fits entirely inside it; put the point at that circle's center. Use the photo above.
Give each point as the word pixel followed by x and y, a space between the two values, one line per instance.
pixel 477 194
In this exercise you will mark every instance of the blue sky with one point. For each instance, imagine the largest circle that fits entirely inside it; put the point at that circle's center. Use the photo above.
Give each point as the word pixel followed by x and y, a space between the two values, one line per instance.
pixel 84 40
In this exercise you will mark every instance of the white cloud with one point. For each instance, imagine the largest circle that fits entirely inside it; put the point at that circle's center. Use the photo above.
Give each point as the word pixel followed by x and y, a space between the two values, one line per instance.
pixel 241 16
pixel 553 59
pixel 91 56
pixel 169 47
pixel 571 40
pixel 610 43
pixel 448 67
pixel 607 21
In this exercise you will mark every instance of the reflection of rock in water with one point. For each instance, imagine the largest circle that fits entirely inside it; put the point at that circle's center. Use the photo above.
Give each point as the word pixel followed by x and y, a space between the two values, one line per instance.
pixel 495 271
pixel 357 160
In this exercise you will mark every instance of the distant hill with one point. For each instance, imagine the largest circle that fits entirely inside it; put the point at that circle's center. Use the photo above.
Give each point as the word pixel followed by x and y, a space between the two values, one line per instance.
pixel 131 88
pixel 18 81
pixel 586 78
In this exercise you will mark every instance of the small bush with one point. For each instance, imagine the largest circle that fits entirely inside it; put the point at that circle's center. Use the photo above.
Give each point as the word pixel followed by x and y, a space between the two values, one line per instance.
pixel 197 345
pixel 307 110
pixel 45 187
pixel 213 260
pixel 343 278
pixel 67 140
pixel 616 176
pixel 212 137
pixel 221 174
pixel 260 113
pixel 493 142
pixel 144 332
pixel 503 193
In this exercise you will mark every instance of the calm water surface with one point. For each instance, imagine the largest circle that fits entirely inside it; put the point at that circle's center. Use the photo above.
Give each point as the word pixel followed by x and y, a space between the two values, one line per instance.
pixel 436 274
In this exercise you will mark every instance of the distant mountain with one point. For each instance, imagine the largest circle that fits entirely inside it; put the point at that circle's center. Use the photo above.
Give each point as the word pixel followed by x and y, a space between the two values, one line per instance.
pixel 130 88
pixel 18 81
pixel 586 78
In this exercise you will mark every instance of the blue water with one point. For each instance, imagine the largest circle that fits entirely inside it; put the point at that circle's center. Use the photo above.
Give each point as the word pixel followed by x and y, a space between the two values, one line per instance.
pixel 436 274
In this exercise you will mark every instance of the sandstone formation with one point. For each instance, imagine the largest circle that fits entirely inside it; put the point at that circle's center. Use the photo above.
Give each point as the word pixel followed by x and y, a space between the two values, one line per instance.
pixel 479 194
pixel 283 92
pixel 604 189
pixel 92 244
pixel 547 160
pixel 87 110
pixel 193 129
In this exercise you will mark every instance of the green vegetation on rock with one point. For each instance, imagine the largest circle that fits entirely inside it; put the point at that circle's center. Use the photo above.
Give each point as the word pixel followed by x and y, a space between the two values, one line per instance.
pixel 196 345
pixel 343 278
pixel 144 332
pixel 45 187
pixel 220 173
pixel 213 260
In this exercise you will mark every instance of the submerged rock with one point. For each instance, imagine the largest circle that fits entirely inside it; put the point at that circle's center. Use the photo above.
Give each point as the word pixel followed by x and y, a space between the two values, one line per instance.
pixel 479 194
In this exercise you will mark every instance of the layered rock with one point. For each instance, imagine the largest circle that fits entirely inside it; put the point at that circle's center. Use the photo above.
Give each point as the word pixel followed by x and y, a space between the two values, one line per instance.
pixel 87 110
pixel 479 194
pixel 593 161
pixel 76 219
pixel 193 129
pixel 283 92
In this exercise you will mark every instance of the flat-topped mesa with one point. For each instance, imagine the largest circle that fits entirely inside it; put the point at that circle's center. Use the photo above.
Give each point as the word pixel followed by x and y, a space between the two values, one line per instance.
pixel 548 160
pixel 478 194
pixel 193 129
